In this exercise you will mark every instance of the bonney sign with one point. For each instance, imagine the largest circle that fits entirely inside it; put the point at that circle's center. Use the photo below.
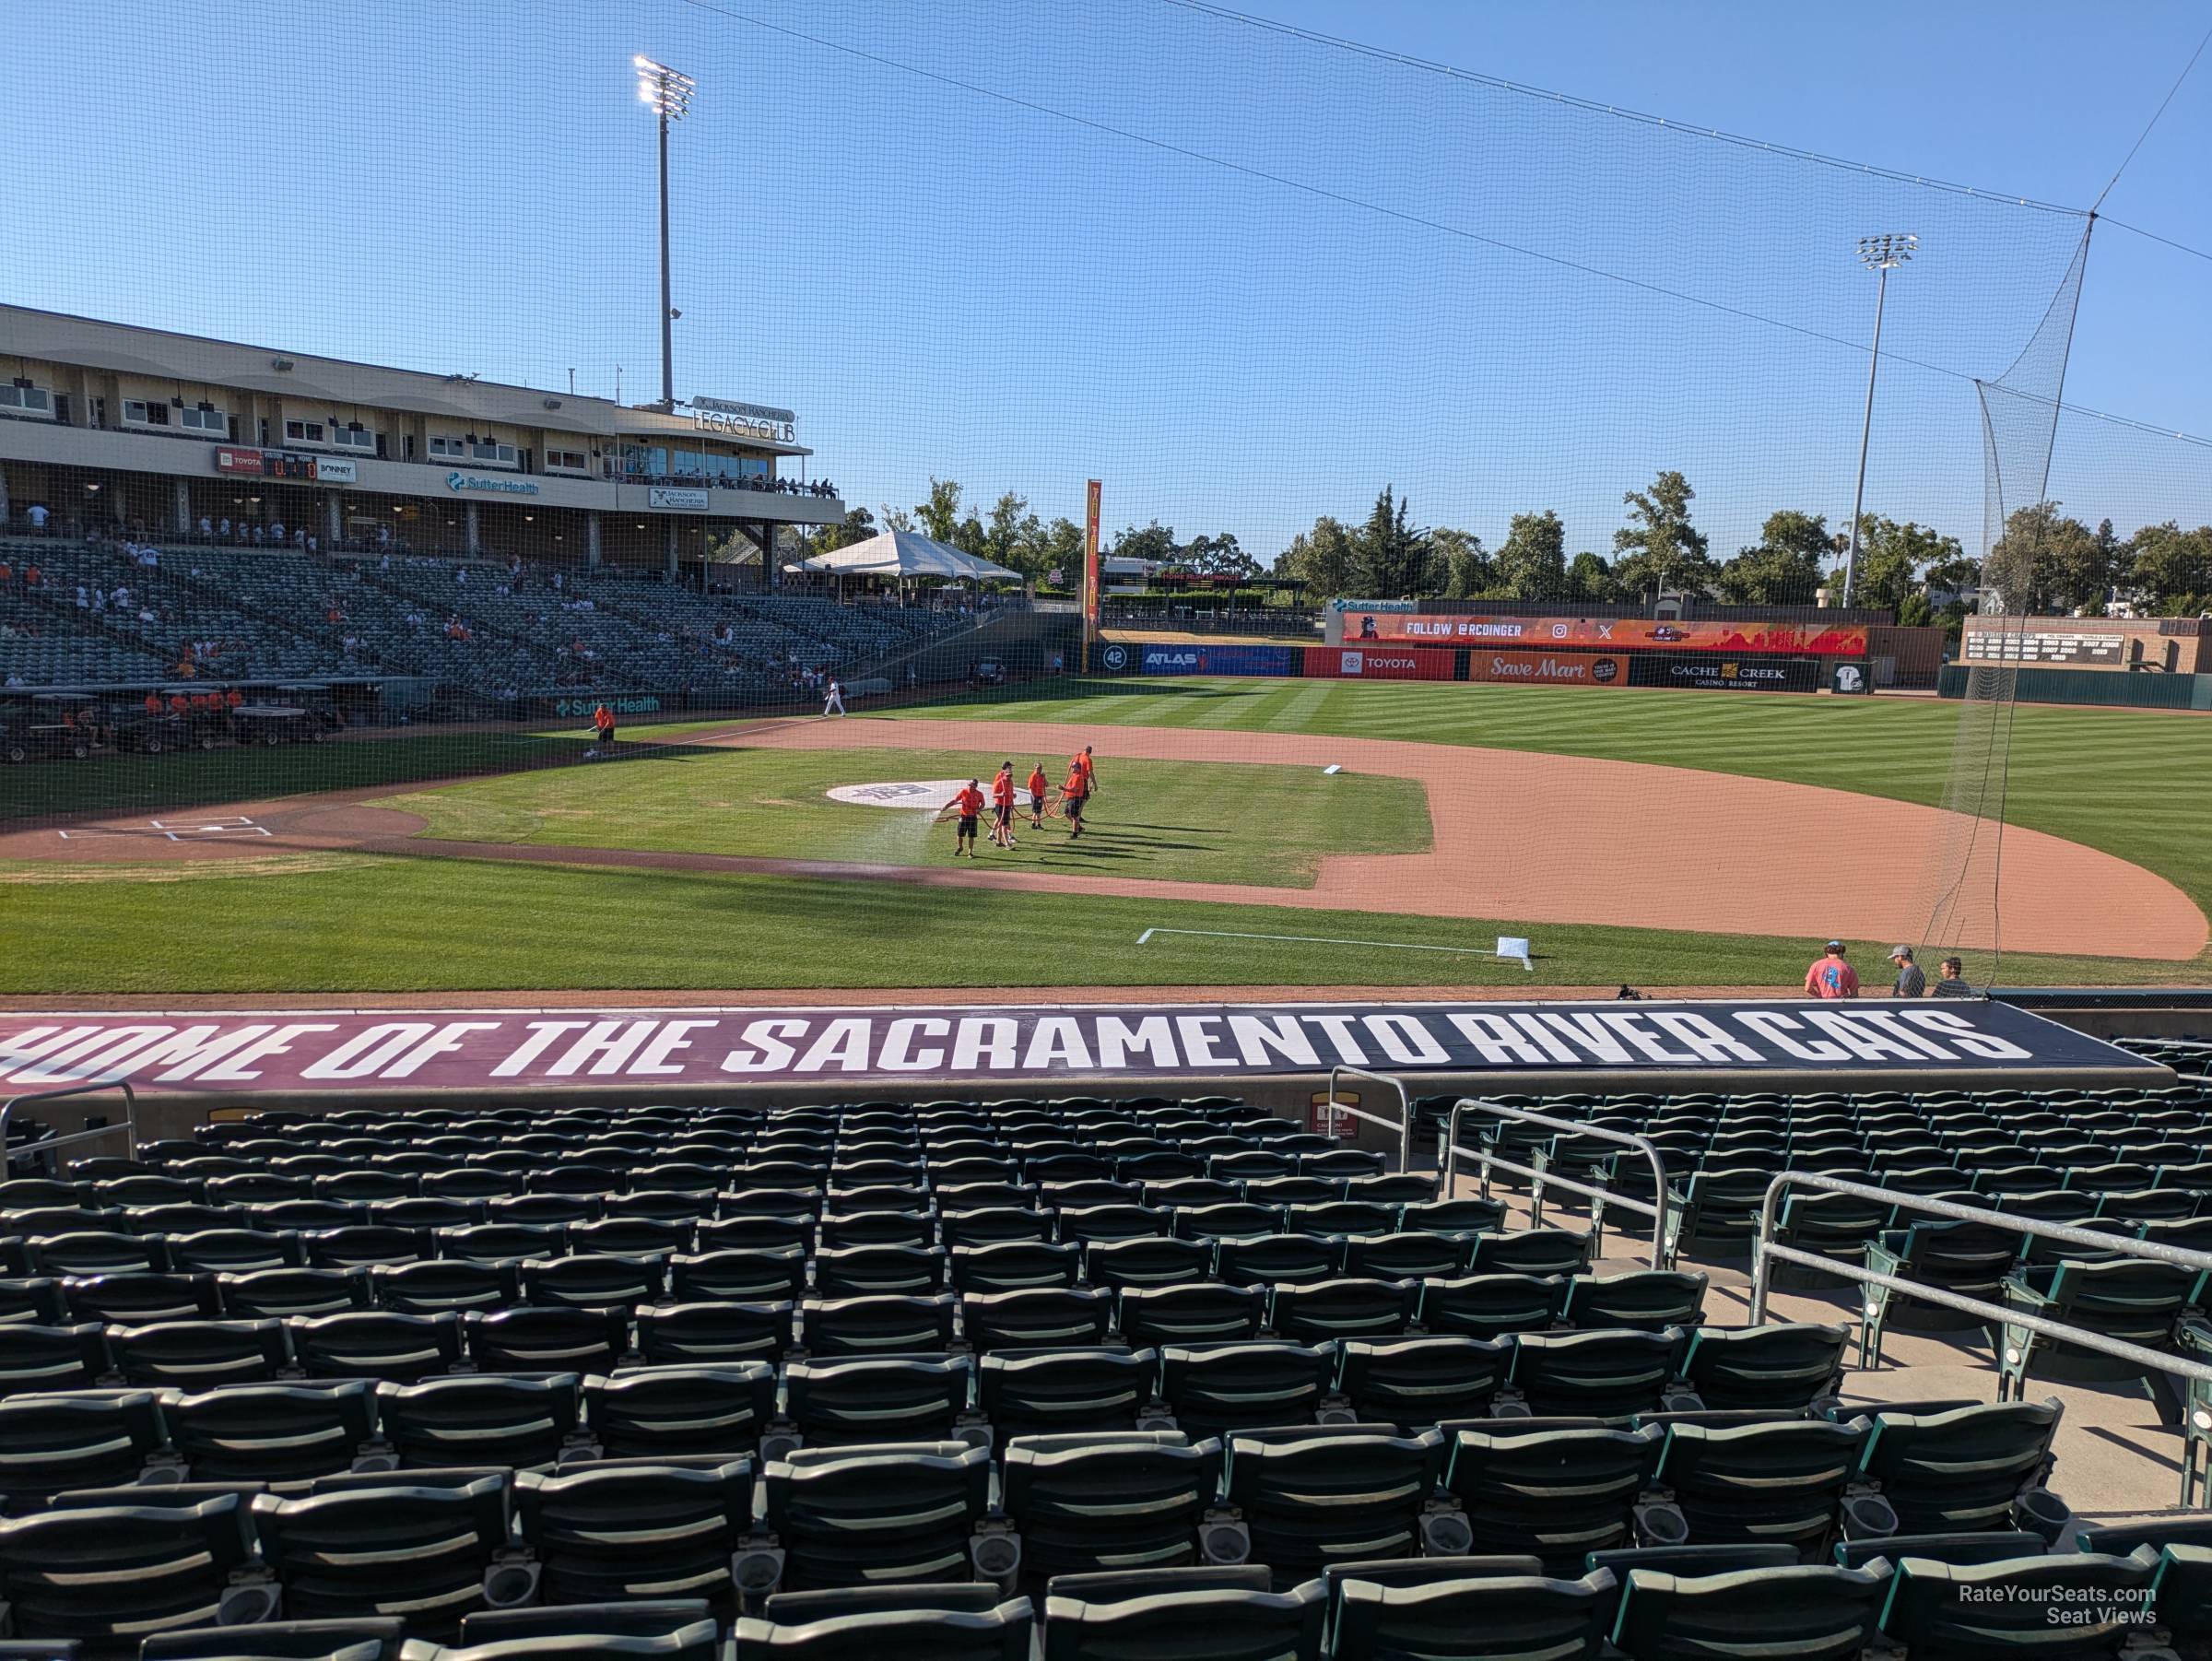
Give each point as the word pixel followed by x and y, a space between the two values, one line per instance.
pixel 240 1055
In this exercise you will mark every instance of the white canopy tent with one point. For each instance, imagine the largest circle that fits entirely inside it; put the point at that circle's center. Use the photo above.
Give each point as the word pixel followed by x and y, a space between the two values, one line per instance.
pixel 908 554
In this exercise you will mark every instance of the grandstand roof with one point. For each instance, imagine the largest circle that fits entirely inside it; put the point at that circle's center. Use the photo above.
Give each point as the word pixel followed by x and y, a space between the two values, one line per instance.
pixel 124 348
pixel 908 554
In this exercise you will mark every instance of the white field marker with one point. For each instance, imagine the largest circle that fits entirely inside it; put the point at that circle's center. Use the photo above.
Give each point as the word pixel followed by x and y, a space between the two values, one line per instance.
pixel 1217 934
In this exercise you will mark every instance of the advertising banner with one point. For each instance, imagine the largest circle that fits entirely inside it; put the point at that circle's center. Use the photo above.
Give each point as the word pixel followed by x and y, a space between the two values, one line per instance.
pixel 1549 669
pixel 681 498
pixel 1358 662
pixel 1615 634
pixel 1191 658
pixel 280 1053
pixel 1725 673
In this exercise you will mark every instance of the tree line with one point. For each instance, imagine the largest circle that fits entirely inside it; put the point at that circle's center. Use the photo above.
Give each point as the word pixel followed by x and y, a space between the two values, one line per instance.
pixel 2045 561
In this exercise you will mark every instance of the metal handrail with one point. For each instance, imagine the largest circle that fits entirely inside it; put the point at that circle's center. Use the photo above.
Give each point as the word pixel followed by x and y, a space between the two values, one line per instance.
pixel 1405 1124
pixel 129 1125
pixel 2154 1361
pixel 1451 1152
pixel 2180 1256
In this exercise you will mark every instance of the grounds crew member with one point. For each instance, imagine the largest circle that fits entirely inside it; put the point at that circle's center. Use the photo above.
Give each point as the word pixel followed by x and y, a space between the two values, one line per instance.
pixel 967 802
pixel 603 721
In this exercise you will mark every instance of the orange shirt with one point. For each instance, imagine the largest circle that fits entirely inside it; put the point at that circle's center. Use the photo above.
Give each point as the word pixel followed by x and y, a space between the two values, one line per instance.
pixel 153 704
pixel 1039 783
pixel 969 801
pixel 1080 762
pixel 1077 786
pixel 1002 789
pixel 234 697
pixel 179 704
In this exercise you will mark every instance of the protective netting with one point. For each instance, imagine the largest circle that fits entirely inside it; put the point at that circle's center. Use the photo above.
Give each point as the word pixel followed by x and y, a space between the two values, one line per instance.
pixel 1327 323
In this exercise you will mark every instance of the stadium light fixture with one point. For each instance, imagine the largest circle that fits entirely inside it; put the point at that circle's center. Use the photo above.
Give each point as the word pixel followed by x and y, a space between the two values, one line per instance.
pixel 1880 254
pixel 668 94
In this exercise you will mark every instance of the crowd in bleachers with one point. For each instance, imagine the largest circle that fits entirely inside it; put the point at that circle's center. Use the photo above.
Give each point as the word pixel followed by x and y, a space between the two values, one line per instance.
pixel 106 610
pixel 779 483
pixel 1178 1377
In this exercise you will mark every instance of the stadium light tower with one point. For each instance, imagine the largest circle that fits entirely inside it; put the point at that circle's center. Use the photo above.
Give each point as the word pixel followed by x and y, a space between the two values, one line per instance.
pixel 1881 256
pixel 667 92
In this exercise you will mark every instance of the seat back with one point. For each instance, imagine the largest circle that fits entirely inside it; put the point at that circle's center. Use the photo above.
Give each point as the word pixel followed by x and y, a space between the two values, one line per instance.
pixel 872 1515
pixel 1421 1381
pixel 1486 1306
pixel 1782 1366
pixel 1957 1472
pixel 1092 1503
pixel 1310 1500
pixel 1979 1611
pixel 1221 1625
pixel 521 1422
pixel 1776 1483
pixel 617 1532
pixel 1493 1616
pixel 1198 1313
pixel 1606 1374
pixel 1558 1494
pixel 681 1411
pixel 1808 1614
pixel 1063 1391
pixel 1236 1386
pixel 1646 1299
pixel 432 1557
pixel 51 1443
pixel 1040 1317
pixel 108 1574
pixel 273 1433
pixel 867 1401
pixel 1001 1633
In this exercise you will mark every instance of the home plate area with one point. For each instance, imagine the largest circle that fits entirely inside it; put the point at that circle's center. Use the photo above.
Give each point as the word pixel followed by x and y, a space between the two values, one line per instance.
pixel 175 830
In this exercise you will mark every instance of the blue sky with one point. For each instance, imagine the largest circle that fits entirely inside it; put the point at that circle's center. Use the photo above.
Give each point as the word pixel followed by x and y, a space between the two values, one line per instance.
pixel 1242 278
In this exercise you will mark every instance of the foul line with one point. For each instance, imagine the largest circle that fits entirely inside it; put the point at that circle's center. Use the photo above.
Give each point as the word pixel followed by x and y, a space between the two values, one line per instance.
pixel 1217 934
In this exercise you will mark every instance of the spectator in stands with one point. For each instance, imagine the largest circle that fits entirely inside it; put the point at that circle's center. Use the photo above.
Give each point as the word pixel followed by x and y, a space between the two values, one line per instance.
pixel 1830 976
pixel 7 571
pixel 1911 979
pixel 222 531
pixel 312 546
pixel 30 576
pixel 153 704
pixel 83 600
pixel 206 530
pixel 261 535
pixel 276 532
pixel 1951 981
pixel 36 513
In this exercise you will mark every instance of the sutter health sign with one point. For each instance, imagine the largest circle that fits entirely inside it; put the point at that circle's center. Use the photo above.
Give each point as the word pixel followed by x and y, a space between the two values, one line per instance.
pixel 1007 1048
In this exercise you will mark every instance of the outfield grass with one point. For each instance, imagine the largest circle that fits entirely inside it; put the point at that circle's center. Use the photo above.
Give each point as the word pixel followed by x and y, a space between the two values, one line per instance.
pixel 376 923
pixel 130 782
pixel 1180 820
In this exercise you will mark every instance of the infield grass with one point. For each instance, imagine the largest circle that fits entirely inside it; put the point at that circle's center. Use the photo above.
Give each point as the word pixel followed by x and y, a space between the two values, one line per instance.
pixel 1184 822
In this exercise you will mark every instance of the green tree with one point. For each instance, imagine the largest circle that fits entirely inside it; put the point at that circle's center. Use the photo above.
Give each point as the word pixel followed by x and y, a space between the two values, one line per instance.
pixel 2170 569
pixel 1531 564
pixel 1321 558
pixel 1589 579
pixel 2042 561
pixel 1060 549
pixel 1219 556
pixel 1659 550
pixel 1893 559
pixel 1390 554
pixel 1013 536
pixel 857 525
pixel 1783 568
pixel 939 517
pixel 1155 541
pixel 1461 562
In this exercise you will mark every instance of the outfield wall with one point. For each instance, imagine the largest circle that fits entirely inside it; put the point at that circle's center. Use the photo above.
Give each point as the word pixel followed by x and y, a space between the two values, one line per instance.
pixel 2102 686
pixel 1695 670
